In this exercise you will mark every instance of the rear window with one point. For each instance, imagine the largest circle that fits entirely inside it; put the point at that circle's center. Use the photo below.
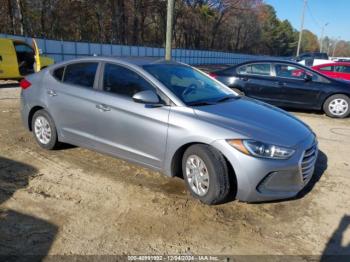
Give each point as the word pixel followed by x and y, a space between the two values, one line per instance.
pixel 58 73
pixel 81 74
pixel 263 69
pixel 342 69
pixel 327 68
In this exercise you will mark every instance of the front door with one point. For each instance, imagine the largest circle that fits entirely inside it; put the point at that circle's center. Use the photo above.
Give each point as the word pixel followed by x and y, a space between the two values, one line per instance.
pixel 125 128
pixel 298 90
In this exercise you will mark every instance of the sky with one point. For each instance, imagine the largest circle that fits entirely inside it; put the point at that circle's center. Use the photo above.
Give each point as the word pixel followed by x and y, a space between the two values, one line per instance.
pixel 319 12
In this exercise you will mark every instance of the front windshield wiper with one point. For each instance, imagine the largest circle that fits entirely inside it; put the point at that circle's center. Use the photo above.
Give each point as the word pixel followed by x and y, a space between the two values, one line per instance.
pixel 223 99
pixel 201 103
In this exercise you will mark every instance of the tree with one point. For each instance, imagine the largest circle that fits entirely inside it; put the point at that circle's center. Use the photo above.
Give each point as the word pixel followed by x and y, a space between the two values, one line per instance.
pixel 247 26
pixel 309 42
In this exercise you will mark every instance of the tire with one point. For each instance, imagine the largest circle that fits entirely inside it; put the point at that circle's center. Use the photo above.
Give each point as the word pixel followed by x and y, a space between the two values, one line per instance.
pixel 343 103
pixel 45 140
pixel 216 188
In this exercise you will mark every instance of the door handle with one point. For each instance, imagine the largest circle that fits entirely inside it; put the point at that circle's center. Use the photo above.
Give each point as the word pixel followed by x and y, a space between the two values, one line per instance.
pixel 244 79
pixel 280 84
pixel 0 58
pixel 51 93
pixel 103 108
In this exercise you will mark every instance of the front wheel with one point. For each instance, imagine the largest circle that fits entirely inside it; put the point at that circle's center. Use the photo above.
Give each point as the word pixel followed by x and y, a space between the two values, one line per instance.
pixel 206 174
pixel 337 106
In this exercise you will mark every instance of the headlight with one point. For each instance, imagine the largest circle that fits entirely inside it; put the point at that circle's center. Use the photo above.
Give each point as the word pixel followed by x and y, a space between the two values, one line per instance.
pixel 259 149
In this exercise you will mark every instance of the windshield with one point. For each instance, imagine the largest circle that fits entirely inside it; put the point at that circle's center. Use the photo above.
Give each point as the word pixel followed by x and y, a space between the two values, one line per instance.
pixel 189 85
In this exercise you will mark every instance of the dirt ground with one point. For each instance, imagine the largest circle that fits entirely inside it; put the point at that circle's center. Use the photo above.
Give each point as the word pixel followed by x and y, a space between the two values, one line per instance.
pixel 75 201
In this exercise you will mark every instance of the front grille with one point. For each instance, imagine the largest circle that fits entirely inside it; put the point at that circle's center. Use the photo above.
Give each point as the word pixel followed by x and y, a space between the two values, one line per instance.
pixel 308 162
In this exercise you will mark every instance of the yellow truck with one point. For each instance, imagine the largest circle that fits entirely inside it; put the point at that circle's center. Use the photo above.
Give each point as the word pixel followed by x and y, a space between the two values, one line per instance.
pixel 18 59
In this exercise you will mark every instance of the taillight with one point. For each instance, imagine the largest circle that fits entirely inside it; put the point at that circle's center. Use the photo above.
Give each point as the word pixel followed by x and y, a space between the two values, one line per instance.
pixel 24 84
pixel 213 75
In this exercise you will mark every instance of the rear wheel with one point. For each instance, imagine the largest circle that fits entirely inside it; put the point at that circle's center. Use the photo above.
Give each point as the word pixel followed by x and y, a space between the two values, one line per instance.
pixel 44 130
pixel 337 106
pixel 206 174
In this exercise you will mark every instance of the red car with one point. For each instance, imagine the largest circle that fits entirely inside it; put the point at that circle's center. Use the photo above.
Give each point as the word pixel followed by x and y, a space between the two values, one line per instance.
pixel 339 70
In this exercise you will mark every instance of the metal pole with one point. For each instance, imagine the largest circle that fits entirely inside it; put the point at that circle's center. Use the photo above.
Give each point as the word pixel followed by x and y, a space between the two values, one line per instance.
pixel 301 27
pixel 335 46
pixel 169 29
pixel 322 34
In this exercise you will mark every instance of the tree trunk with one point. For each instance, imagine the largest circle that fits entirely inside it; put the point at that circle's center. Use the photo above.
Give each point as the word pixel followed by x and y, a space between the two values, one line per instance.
pixel 136 22
pixel 119 21
pixel 12 18
pixel 20 16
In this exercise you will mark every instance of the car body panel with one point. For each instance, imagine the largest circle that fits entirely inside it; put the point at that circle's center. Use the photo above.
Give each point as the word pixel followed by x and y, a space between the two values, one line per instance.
pixel 332 72
pixel 153 135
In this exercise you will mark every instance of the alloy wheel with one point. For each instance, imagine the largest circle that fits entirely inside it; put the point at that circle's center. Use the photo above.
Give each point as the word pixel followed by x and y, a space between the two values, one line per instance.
pixel 42 130
pixel 197 175
pixel 338 106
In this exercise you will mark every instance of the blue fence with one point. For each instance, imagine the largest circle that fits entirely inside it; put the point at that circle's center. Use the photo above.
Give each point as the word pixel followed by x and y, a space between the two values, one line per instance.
pixel 66 50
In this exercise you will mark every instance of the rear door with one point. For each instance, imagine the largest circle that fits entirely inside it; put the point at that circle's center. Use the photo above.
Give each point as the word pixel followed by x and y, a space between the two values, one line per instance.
pixel 71 95
pixel 125 128
pixel 296 91
pixel 258 82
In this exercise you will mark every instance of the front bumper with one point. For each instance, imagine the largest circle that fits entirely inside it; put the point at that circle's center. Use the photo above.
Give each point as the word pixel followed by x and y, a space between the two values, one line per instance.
pixel 260 179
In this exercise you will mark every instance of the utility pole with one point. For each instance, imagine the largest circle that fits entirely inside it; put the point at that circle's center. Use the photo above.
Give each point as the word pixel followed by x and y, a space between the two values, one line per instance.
pixel 169 29
pixel 322 34
pixel 301 27
pixel 335 46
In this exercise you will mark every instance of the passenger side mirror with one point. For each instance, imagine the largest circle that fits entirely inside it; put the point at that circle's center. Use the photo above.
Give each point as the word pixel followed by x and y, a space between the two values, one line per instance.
pixel 308 78
pixel 148 97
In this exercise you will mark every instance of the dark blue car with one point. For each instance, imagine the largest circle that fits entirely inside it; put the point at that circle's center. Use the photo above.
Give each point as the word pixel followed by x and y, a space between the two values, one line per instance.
pixel 288 84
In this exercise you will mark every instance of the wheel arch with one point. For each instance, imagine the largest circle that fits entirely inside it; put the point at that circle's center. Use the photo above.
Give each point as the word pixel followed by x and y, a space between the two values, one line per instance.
pixel 333 94
pixel 32 111
pixel 176 165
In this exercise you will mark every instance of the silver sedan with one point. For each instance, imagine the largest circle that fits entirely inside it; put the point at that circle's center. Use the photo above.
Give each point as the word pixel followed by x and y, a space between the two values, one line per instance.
pixel 175 119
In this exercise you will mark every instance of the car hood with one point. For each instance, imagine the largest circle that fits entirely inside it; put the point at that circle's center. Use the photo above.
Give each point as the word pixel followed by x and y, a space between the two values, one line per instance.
pixel 256 120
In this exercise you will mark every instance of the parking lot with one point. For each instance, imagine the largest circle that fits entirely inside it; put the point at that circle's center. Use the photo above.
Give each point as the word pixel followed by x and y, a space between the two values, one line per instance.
pixel 75 201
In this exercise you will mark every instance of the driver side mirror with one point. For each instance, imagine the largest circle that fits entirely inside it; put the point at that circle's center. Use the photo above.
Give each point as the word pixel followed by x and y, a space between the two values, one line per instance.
pixel 308 78
pixel 147 97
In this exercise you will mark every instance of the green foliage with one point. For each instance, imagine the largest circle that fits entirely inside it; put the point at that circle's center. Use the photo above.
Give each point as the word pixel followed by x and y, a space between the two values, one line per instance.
pixel 278 36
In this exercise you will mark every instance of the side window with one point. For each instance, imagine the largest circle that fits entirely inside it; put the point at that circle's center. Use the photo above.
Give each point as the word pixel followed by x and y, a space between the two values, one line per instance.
pixel 327 68
pixel 23 48
pixel 122 81
pixel 243 70
pixel 294 72
pixel 262 69
pixel 342 69
pixel 288 71
pixel 58 73
pixel 81 74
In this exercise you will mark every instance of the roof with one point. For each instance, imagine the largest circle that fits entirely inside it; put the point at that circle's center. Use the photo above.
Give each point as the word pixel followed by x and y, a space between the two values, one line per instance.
pixel 269 61
pixel 139 61
pixel 333 64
